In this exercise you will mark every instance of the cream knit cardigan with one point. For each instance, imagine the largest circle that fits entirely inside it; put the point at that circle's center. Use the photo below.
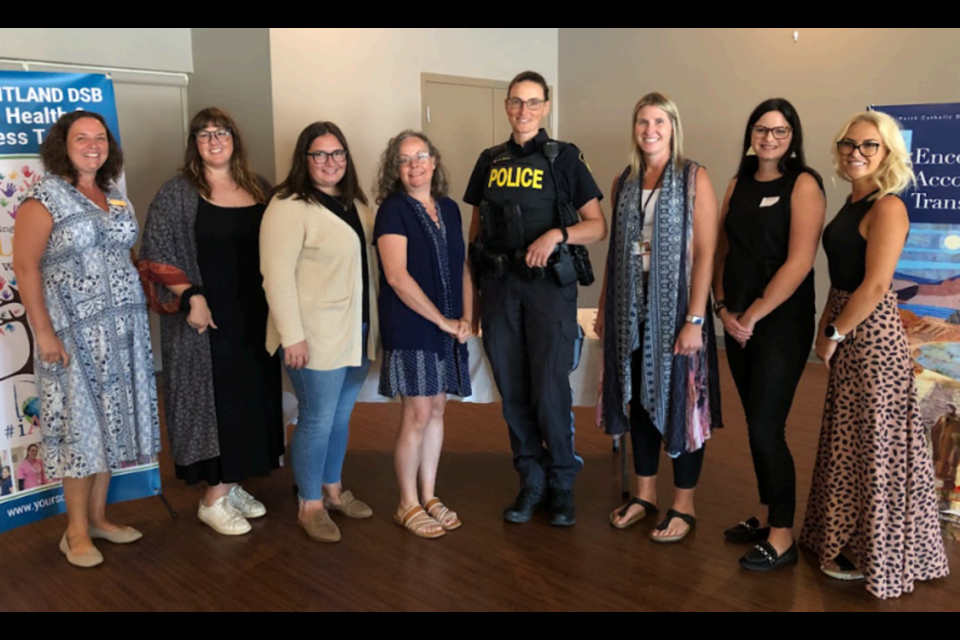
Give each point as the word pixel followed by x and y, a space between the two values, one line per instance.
pixel 312 274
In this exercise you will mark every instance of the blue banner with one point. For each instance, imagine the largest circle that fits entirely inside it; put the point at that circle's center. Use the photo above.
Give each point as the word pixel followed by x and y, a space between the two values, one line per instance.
pixel 927 282
pixel 32 506
pixel 32 101
pixel 30 104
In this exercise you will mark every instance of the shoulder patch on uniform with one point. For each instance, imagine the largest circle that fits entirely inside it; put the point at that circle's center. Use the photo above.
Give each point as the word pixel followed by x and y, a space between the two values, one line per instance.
pixel 584 161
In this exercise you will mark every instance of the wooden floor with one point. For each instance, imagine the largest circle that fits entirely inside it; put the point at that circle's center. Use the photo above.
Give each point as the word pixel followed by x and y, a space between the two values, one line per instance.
pixel 488 565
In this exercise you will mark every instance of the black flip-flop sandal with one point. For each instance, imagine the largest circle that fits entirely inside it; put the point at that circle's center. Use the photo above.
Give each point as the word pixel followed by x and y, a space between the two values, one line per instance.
pixel 663 526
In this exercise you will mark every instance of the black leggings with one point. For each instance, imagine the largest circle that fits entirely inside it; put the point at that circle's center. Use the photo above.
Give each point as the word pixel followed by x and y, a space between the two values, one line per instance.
pixel 767 373
pixel 648 441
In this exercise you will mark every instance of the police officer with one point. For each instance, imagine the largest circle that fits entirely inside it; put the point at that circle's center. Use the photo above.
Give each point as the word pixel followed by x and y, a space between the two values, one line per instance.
pixel 528 302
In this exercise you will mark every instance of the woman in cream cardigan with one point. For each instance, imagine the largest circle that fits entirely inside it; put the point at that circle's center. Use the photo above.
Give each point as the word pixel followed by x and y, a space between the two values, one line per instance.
pixel 317 263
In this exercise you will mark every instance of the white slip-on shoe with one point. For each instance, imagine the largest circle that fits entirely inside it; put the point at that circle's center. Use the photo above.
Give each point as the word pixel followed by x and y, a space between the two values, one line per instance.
pixel 223 518
pixel 250 507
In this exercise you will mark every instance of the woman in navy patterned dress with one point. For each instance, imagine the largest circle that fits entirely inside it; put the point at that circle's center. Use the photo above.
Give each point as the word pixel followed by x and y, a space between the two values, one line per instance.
pixel 94 362
pixel 426 296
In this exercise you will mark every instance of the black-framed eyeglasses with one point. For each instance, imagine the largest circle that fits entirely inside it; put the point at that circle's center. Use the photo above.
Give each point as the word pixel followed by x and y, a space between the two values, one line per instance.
pixel 421 157
pixel 221 134
pixel 534 104
pixel 779 133
pixel 867 149
pixel 320 157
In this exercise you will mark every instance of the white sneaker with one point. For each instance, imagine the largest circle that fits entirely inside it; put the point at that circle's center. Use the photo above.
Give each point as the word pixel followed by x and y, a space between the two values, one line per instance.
pixel 250 507
pixel 223 518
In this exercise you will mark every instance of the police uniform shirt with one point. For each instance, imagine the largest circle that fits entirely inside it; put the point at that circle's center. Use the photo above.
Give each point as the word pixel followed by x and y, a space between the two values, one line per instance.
pixel 570 167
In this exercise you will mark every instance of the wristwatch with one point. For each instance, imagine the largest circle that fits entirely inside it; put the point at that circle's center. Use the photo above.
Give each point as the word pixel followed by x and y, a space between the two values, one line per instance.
pixel 695 320
pixel 832 333
pixel 719 306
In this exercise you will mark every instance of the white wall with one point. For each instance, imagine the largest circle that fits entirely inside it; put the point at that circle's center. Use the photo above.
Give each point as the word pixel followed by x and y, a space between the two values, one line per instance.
pixel 154 49
pixel 367 81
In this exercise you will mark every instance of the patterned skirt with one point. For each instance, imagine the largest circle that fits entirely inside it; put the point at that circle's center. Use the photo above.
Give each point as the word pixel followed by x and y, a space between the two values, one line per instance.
pixel 423 374
pixel 873 488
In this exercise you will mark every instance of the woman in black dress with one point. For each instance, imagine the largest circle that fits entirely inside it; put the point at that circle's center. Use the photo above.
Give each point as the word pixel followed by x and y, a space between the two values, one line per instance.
pixel 772 220
pixel 201 262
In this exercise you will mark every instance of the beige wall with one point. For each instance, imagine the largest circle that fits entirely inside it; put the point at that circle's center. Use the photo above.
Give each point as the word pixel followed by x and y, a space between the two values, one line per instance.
pixel 717 77
pixel 368 80
pixel 155 48
pixel 232 71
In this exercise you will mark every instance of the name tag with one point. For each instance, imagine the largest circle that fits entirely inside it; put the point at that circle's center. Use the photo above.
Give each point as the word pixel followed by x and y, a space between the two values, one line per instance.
pixel 769 202
pixel 117 203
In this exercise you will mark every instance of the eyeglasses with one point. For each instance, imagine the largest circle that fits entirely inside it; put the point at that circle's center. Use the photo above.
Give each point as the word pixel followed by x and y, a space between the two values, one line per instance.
pixel 221 134
pixel 534 104
pixel 867 149
pixel 421 157
pixel 779 133
pixel 320 157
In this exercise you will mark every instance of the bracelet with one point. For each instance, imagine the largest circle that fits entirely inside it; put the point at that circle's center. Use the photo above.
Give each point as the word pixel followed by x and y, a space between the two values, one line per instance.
pixel 566 236
pixel 194 290
pixel 719 306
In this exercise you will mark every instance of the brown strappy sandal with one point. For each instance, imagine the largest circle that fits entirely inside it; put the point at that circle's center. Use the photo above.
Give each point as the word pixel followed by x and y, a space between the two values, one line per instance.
pixel 416 521
pixel 441 514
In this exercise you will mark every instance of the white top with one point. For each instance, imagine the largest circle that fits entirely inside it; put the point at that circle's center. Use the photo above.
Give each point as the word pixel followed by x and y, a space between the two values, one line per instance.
pixel 649 217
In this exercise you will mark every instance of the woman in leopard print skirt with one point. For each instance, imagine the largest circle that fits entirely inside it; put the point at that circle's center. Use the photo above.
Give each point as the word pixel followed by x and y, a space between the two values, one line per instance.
pixel 872 513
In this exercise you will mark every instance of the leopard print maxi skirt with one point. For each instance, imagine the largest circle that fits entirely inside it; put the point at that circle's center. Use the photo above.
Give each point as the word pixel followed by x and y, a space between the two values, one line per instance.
pixel 873 489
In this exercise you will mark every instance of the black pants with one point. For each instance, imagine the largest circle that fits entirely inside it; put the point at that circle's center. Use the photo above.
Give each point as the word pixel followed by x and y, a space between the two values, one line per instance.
pixel 648 441
pixel 767 373
pixel 533 342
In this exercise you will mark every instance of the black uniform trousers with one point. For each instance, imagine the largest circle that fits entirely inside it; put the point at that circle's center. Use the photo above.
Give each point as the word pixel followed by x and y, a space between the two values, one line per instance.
pixel 533 343
pixel 767 373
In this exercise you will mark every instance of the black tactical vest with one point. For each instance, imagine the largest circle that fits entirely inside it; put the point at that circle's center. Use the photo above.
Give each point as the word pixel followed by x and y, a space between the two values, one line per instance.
pixel 526 182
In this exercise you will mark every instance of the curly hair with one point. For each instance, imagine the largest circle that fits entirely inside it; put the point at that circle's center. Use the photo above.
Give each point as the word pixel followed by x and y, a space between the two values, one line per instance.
pixel 388 174
pixel 298 184
pixel 193 168
pixel 895 173
pixel 56 159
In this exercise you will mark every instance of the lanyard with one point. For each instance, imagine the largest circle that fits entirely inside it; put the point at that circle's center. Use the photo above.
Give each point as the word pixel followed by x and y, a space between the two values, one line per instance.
pixel 643 208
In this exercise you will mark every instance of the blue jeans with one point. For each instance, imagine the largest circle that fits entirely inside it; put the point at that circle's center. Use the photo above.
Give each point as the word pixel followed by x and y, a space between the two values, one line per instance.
pixel 319 444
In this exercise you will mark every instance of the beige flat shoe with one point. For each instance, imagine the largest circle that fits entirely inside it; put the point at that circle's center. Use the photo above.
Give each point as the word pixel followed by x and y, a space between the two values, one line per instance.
pixel 350 507
pixel 88 560
pixel 320 528
pixel 128 535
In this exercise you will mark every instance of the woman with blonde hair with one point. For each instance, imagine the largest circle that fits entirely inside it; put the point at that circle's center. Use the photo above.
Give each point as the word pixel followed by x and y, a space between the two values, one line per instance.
pixel 872 513
pixel 660 351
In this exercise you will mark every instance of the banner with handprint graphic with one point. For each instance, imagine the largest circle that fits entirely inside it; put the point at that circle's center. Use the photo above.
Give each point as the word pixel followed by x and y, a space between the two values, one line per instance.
pixel 30 103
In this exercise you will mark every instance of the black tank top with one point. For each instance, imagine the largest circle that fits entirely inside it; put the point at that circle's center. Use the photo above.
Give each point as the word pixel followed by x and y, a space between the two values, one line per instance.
pixel 846 249
pixel 758 233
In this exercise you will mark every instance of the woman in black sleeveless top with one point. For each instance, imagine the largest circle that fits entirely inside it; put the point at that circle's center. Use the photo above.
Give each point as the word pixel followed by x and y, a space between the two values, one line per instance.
pixel 772 219
pixel 872 513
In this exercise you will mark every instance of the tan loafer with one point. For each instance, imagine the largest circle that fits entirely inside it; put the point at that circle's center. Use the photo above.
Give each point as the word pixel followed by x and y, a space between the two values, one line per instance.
pixel 320 528
pixel 350 507
pixel 128 535
pixel 88 560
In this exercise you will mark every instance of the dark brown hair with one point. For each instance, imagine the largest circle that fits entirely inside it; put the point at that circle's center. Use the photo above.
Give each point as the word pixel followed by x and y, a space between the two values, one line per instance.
pixel 388 175
pixel 193 167
pixel 530 76
pixel 298 183
pixel 56 160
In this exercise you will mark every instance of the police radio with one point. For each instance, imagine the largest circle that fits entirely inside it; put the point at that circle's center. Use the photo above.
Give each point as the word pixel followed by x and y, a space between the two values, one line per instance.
pixel 568 217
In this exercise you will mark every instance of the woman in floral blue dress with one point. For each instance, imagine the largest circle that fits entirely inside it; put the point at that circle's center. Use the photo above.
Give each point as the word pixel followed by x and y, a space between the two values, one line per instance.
pixel 94 362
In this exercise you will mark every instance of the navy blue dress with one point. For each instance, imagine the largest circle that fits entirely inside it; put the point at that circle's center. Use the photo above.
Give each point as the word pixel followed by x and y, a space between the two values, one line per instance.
pixel 420 360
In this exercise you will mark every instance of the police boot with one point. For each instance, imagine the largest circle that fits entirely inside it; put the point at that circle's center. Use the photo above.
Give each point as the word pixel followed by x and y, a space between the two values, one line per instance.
pixel 527 504
pixel 562 508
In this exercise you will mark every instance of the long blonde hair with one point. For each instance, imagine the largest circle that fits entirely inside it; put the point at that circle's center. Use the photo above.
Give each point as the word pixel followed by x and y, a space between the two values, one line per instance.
pixel 895 174
pixel 661 101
